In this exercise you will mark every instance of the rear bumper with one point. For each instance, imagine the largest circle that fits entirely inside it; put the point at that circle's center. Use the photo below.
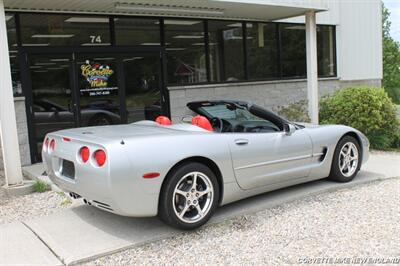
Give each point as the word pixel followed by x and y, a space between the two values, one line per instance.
pixel 135 204
pixel 101 200
pixel 114 187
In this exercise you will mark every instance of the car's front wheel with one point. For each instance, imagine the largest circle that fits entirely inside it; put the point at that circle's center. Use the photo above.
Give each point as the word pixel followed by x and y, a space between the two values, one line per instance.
pixel 189 196
pixel 346 160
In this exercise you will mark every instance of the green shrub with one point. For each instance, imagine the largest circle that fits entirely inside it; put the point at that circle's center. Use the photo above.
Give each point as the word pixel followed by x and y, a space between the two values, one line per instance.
pixel 369 110
pixel 40 186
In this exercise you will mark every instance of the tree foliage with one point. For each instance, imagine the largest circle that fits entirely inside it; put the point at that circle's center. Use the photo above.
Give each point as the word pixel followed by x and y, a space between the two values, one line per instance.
pixel 391 59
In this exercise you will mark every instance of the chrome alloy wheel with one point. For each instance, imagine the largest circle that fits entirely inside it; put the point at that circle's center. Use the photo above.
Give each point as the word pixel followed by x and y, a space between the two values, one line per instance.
pixel 193 197
pixel 348 159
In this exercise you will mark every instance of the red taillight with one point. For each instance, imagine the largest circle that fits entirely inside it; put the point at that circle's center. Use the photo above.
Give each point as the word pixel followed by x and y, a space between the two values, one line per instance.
pixel 84 152
pixel 66 139
pixel 52 146
pixel 46 144
pixel 100 157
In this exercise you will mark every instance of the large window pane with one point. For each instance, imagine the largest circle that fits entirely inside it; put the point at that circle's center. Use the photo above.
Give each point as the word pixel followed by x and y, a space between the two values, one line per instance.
pixel 293 50
pixel 137 31
pixel 142 82
pixel 226 50
pixel 51 94
pixel 44 30
pixel 262 50
pixel 326 50
pixel 186 57
pixel 11 31
pixel 12 46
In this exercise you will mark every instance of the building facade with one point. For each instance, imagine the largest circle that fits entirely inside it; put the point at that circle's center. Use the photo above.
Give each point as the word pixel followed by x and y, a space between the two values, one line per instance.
pixel 73 65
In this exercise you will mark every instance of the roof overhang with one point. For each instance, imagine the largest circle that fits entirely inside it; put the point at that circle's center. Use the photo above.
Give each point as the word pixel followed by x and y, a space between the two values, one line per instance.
pixel 253 10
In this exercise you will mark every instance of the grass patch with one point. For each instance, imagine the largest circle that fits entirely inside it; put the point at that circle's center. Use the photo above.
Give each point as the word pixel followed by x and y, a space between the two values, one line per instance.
pixel 65 199
pixel 40 186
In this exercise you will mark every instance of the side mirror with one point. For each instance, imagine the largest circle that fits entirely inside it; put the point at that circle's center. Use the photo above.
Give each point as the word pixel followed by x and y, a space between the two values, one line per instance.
pixel 289 129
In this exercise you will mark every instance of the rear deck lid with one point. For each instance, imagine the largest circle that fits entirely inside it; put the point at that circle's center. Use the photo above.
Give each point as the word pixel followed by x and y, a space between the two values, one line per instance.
pixel 119 132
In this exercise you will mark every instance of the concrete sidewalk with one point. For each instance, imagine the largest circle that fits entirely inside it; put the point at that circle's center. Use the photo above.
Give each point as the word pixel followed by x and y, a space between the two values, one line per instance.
pixel 83 233
pixel 386 163
pixel 19 245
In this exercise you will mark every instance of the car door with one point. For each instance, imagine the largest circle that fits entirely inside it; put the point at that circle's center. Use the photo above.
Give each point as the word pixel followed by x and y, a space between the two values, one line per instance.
pixel 262 159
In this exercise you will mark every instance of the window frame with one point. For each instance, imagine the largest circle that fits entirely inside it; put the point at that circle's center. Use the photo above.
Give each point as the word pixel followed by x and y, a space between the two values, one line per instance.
pixel 205 22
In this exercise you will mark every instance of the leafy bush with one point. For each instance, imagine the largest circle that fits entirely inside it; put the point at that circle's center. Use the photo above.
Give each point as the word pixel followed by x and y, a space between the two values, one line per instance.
pixel 40 186
pixel 294 112
pixel 369 110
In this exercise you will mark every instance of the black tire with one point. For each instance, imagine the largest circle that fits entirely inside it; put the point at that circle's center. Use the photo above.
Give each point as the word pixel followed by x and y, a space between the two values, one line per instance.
pixel 100 120
pixel 167 210
pixel 336 174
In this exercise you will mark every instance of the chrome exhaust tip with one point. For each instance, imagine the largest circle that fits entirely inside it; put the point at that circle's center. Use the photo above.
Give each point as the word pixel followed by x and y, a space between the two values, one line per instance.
pixel 87 202
pixel 74 195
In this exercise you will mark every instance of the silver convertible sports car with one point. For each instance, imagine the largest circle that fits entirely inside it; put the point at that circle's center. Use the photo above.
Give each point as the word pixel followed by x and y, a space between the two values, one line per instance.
pixel 181 172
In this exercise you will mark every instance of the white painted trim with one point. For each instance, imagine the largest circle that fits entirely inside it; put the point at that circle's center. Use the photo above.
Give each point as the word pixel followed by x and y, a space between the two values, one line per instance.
pixel 312 66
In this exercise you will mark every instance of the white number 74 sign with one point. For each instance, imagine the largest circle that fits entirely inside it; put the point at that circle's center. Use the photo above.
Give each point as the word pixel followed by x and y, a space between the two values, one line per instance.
pixel 95 38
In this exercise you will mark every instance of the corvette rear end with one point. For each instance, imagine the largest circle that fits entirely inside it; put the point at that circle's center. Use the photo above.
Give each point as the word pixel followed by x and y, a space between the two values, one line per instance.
pixel 82 162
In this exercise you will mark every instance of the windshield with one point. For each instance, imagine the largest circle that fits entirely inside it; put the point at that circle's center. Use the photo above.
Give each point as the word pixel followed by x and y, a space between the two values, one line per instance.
pixel 232 116
pixel 229 111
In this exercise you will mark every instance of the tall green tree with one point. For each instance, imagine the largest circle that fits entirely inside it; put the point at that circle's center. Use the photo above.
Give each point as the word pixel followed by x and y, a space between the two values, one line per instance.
pixel 391 59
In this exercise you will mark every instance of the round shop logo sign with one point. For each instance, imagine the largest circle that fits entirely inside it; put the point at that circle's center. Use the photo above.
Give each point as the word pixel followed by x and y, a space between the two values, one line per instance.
pixel 96 74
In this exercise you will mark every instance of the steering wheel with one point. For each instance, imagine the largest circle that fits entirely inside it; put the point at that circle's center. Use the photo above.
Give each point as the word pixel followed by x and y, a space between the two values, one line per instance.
pixel 217 124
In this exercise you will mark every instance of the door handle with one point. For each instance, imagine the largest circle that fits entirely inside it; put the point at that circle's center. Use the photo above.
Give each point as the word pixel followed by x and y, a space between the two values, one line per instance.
pixel 241 141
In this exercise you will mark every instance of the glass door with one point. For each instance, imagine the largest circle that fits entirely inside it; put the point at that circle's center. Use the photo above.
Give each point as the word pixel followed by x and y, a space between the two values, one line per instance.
pixel 92 89
pixel 99 89
pixel 142 80
pixel 52 95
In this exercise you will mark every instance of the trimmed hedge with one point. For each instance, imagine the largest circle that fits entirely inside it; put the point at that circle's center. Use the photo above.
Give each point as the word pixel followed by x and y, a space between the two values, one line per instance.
pixel 367 109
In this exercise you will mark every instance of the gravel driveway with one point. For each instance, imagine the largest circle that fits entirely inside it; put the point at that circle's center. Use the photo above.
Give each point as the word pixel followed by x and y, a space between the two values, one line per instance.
pixel 357 222
pixel 30 206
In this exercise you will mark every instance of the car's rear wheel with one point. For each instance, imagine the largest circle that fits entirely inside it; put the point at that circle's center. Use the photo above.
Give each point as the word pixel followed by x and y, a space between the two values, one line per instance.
pixel 346 160
pixel 189 196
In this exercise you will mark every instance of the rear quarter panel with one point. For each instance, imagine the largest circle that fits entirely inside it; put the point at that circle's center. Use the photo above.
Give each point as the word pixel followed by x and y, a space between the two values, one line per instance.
pixel 137 156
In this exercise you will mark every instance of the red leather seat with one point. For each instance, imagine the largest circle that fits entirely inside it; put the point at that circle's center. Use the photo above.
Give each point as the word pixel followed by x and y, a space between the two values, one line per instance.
pixel 163 120
pixel 202 122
